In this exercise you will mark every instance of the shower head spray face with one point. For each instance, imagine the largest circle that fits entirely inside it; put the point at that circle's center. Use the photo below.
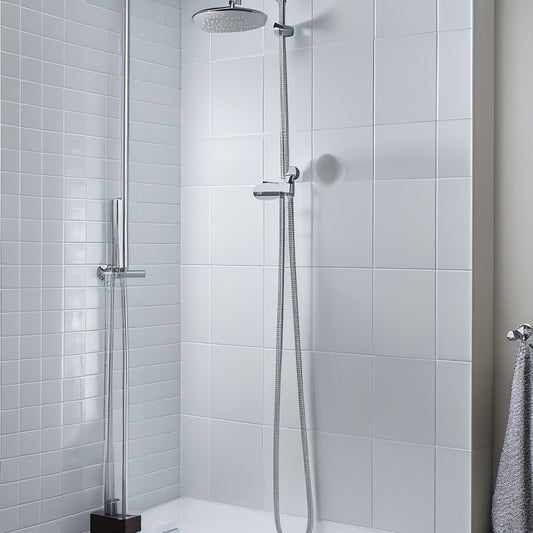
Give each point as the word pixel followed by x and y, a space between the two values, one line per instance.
pixel 229 19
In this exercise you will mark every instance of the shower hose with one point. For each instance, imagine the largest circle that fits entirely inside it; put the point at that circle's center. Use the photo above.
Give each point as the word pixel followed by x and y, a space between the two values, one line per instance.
pixel 283 201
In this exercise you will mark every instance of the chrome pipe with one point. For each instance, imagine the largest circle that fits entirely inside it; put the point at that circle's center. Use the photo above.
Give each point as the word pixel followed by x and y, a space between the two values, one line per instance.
pixel 125 396
pixel 125 137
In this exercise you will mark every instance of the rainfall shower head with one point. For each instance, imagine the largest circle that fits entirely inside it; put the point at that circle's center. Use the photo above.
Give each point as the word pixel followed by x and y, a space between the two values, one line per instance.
pixel 229 19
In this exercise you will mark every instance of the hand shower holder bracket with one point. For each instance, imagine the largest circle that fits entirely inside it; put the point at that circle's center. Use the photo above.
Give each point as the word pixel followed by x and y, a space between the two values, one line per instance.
pixel 283 30
pixel 105 271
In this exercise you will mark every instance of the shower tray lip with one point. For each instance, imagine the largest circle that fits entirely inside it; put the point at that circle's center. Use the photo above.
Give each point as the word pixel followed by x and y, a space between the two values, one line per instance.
pixel 194 515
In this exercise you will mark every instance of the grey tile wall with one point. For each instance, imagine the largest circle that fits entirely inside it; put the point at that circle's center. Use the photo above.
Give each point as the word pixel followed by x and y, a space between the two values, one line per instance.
pixel 60 163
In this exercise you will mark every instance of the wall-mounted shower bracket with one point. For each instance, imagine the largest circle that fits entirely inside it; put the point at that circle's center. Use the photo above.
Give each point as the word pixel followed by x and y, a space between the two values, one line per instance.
pixel 283 30
pixel 104 271
pixel 269 190
pixel 293 173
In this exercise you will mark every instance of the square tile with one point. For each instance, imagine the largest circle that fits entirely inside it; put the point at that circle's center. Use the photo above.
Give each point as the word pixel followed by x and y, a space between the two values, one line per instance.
pixel 404 18
pixel 405 224
pixel 236 219
pixel 236 385
pixel 404 400
pixel 343 310
pixel 237 97
pixel 406 151
pixel 404 313
pixel 345 153
pixel 406 79
pixel 237 306
pixel 342 224
pixel 341 393
pixel 404 492
pixel 344 479
pixel 342 82
pixel 237 464
pixel 336 21
pixel 237 160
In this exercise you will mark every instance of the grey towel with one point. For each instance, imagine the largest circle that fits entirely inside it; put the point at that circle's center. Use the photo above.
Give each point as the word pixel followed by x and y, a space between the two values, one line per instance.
pixel 512 510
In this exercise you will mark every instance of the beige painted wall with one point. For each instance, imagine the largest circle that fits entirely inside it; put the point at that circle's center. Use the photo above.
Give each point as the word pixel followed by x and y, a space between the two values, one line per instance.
pixel 513 289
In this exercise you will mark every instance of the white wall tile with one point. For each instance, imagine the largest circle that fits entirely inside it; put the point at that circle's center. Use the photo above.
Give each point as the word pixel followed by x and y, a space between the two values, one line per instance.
pixel 341 393
pixel 342 224
pixel 195 120
pixel 454 393
pixel 237 160
pixel 195 227
pixel 195 162
pixel 345 153
pixel 404 400
pixel 344 478
pixel 455 14
pixel 236 227
pixel 341 21
pixel 195 299
pixel 405 79
pixel 236 97
pixel 412 16
pixel 455 74
pixel 195 379
pixel 236 463
pixel 453 491
pixel 405 151
pixel 342 311
pixel 454 224
pixel 454 153
pixel 454 312
pixel 405 224
pixel 237 383
pixel 195 457
pixel 400 505
pixel 404 313
pixel 342 83
pixel 236 306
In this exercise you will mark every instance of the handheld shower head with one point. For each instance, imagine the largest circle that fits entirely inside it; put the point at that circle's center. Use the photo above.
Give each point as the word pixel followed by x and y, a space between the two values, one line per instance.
pixel 229 19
